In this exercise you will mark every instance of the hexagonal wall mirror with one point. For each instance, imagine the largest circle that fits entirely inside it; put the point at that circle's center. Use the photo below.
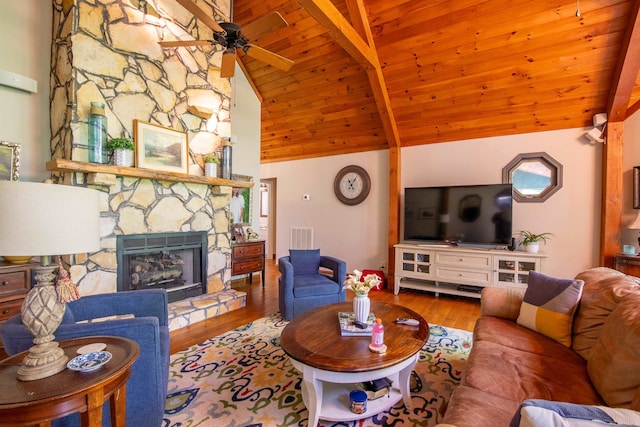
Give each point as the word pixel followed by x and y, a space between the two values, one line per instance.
pixel 535 176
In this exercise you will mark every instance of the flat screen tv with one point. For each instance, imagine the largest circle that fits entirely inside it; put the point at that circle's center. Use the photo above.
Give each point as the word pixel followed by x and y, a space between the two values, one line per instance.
pixel 466 214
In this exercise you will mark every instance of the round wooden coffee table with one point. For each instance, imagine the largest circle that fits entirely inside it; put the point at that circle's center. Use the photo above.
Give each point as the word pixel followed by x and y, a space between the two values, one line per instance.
pixel 331 364
pixel 40 401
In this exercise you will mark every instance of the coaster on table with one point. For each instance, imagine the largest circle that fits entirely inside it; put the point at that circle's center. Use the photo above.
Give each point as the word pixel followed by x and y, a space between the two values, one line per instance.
pixel 381 349
pixel 91 348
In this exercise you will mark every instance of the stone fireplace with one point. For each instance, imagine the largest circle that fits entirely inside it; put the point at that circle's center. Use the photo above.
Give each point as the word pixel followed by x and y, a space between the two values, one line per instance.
pixel 174 261
pixel 108 51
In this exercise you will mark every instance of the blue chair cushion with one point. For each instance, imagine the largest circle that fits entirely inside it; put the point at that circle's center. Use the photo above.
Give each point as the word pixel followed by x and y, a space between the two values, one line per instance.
pixel 305 261
pixel 314 285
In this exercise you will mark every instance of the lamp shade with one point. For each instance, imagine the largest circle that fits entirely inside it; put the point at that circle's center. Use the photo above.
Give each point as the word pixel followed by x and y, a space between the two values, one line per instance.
pixel 48 219
pixel 635 225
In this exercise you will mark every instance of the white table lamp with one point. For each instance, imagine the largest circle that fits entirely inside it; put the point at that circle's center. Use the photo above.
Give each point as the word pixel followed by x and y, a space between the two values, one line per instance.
pixel 635 225
pixel 45 220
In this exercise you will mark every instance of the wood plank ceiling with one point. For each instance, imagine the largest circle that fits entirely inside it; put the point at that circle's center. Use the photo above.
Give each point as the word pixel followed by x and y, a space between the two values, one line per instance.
pixel 450 70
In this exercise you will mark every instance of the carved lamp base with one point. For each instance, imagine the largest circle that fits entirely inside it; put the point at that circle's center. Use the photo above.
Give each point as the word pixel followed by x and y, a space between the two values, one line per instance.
pixel 41 314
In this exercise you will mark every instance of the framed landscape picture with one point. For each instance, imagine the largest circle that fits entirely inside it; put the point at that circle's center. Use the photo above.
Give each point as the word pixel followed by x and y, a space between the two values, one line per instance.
pixel 160 148
pixel 9 161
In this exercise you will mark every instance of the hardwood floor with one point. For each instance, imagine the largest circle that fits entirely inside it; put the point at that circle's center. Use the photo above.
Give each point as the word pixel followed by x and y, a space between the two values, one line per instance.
pixel 460 313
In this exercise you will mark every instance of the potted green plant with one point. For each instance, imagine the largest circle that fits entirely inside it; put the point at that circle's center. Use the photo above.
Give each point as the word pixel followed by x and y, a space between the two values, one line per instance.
pixel 531 241
pixel 211 162
pixel 122 149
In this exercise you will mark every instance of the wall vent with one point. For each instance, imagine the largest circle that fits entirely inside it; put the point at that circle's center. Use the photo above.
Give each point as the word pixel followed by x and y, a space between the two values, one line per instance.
pixel 301 238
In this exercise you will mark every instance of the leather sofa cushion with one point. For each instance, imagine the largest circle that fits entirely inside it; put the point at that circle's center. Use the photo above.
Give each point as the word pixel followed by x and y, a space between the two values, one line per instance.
pixel 501 302
pixel 507 333
pixel 518 375
pixel 603 290
pixel 469 407
pixel 614 364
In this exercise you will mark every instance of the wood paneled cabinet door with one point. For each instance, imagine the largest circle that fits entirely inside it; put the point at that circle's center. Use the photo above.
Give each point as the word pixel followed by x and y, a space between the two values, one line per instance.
pixel 15 282
pixel 248 258
pixel 628 264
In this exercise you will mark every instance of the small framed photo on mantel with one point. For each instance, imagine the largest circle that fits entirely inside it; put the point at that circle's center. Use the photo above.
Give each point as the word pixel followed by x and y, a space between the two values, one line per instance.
pixel 237 232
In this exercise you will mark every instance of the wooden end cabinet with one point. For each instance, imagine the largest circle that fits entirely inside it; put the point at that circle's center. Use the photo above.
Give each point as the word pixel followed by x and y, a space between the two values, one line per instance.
pixel 627 264
pixel 247 258
pixel 15 283
pixel 461 271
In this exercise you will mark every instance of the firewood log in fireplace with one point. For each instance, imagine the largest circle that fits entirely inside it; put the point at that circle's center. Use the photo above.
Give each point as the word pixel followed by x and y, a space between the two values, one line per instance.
pixel 143 278
pixel 152 268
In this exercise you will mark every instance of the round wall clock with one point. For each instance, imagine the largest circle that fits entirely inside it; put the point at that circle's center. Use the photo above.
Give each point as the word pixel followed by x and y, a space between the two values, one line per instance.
pixel 352 185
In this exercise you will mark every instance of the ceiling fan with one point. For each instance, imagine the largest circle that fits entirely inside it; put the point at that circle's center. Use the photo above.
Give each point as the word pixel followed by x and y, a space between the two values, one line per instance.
pixel 234 37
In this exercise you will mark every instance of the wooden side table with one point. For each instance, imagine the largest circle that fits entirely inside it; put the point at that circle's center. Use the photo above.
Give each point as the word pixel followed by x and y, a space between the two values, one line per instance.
pixel 40 401
pixel 627 264
pixel 248 257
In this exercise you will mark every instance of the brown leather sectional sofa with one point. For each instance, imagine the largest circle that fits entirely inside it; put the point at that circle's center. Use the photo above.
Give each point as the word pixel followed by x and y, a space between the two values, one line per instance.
pixel 510 363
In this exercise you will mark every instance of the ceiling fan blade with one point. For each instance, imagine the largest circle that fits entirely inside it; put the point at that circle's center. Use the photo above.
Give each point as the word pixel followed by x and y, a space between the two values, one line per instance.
pixel 177 43
pixel 270 58
pixel 264 25
pixel 201 15
pixel 228 63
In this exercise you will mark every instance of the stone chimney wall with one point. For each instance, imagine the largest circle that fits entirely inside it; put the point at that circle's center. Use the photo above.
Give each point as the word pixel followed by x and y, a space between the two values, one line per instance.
pixel 108 51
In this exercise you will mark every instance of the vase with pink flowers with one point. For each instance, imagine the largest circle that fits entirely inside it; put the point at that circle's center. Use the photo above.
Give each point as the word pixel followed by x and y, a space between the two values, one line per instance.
pixel 361 285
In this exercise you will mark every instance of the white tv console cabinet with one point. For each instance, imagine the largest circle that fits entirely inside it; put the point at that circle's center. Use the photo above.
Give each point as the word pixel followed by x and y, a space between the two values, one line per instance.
pixel 461 270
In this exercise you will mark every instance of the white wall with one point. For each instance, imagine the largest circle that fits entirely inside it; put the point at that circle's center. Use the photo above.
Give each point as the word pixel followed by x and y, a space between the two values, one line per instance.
pixel 245 127
pixel 359 235
pixel 25 44
pixel 356 234
pixel 572 214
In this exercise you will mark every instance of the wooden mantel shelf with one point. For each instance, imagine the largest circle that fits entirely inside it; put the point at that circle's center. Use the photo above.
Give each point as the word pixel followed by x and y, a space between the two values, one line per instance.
pixel 63 165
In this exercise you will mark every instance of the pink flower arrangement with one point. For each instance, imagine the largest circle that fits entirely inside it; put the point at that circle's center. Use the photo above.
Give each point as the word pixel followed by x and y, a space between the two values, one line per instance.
pixel 361 285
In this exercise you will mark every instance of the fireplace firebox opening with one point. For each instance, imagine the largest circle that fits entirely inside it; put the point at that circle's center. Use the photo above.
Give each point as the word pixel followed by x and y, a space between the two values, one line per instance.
pixel 176 262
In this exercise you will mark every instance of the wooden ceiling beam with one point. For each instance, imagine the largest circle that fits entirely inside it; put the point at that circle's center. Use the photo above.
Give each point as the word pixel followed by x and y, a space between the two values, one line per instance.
pixel 627 68
pixel 329 17
pixel 624 77
pixel 381 93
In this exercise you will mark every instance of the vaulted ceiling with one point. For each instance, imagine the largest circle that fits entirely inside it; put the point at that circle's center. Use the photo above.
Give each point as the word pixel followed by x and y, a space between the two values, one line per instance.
pixel 374 74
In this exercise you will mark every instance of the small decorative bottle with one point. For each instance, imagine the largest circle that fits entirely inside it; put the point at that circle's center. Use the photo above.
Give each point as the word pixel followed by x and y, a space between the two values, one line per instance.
pixel 377 337
pixel 97 129
pixel 225 166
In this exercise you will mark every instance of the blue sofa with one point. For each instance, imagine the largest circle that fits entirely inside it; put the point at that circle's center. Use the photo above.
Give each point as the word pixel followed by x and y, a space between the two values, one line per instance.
pixel 302 286
pixel 147 387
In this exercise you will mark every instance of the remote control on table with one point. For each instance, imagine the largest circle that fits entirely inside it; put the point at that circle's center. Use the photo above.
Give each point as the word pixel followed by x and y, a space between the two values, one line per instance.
pixel 360 325
pixel 405 321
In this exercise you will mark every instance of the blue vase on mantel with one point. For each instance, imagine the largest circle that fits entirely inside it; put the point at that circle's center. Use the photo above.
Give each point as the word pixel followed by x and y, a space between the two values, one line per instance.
pixel 97 130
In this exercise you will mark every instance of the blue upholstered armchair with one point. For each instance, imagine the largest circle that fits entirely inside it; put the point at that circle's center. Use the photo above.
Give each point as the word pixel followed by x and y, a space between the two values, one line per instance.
pixel 147 387
pixel 302 286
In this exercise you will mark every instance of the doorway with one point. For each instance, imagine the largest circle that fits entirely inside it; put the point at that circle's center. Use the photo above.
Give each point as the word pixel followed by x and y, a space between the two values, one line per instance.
pixel 268 191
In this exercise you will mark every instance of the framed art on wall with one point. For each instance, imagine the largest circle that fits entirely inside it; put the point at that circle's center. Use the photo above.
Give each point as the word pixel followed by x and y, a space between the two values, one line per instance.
pixel 9 161
pixel 160 148
pixel 636 187
pixel 241 201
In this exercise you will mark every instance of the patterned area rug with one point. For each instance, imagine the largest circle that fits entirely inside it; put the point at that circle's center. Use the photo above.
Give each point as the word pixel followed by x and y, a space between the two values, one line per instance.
pixel 244 378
